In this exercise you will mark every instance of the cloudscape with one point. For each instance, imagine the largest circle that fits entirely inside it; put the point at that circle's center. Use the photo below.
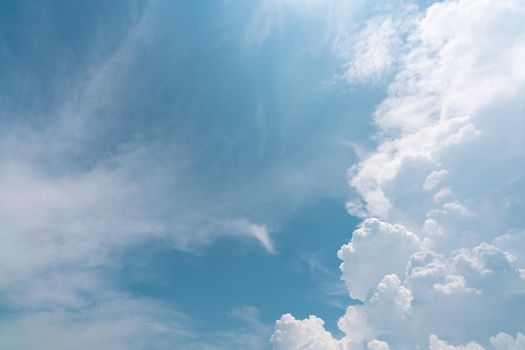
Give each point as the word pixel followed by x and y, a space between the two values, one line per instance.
pixel 266 174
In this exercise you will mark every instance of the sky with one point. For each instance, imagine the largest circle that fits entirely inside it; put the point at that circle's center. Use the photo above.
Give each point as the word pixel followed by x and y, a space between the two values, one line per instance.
pixel 266 174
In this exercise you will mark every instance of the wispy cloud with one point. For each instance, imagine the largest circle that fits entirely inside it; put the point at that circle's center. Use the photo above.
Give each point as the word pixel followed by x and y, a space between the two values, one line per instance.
pixel 73 196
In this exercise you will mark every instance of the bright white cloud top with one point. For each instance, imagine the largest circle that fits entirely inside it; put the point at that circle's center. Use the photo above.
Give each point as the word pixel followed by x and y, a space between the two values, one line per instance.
pixel 439 260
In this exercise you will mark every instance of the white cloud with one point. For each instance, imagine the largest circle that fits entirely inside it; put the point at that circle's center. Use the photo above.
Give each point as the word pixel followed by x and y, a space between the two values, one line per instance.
pixel 443 262
pixel 437 344
pixel 434 178
pixel 247 228
pixel 374 51
pixel 377 345
pixel 308 334
pixel 111 322
pixel 503 341
pixel 361 268
pixel 390 304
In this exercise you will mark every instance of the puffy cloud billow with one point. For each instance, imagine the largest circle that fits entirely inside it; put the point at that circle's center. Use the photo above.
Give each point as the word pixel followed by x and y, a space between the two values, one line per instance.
pixel 439 260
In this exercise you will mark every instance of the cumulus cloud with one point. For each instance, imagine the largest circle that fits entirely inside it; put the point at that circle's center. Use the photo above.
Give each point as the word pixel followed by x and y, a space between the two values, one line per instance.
pixel 501 341
pixel 393 243
pixel 378 345
pixel 437 344
pixel 302 334
pixel 437 261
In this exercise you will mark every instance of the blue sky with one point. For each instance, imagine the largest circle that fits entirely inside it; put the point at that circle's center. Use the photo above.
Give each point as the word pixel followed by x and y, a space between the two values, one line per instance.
pixel 181 174
pixel 226 129
pixel 229 274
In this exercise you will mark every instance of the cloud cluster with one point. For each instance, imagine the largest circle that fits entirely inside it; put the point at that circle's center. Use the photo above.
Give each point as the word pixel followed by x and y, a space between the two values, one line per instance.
pixel 438 261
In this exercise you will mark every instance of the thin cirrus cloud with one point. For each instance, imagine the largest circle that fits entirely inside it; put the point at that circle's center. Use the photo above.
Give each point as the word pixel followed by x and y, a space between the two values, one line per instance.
pixel 335 17
pixel 125 131
pixel 81 212
pixel 74 194
pixel 436 262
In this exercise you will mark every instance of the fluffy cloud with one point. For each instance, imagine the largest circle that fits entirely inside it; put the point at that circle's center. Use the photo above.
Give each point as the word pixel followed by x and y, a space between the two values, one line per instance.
pixel 437 344
pixel 377 345
pixel 372 239
pixel 503 341
pixel 306 334
pixel 438 259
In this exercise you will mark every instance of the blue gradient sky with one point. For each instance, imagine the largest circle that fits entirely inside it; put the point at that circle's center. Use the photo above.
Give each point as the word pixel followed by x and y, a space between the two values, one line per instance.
pixel 210 112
